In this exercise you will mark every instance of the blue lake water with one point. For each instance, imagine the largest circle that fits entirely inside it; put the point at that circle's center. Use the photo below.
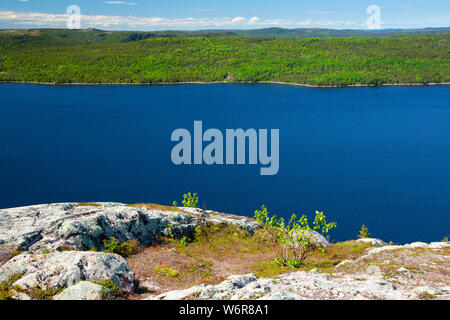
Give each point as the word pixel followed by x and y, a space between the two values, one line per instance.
pixel 374 156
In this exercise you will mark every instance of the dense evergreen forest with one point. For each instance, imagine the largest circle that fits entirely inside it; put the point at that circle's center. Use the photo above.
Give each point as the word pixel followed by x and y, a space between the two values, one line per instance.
pixel 96 56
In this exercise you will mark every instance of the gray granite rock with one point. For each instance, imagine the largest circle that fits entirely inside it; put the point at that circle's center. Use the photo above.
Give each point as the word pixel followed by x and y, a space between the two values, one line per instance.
pixel 52 226
pixel 84 290
pixel 64 269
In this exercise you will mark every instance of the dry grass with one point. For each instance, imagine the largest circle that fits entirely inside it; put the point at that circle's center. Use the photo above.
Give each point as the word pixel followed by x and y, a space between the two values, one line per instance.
pixel 153 206
pixel 219 251
pixel 7 252
pixel 88 204
pixel 424 267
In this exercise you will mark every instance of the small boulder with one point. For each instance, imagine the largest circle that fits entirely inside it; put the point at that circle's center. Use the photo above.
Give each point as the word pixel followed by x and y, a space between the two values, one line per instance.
pixel 64 269
pixel 84 290
pixel 373 241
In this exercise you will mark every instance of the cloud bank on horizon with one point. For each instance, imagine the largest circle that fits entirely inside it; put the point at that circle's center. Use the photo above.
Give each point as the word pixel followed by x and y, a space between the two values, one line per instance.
pixel 202 14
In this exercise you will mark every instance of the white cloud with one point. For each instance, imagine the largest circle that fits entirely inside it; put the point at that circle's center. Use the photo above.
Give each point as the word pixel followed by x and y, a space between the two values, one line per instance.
pixel 39 19
pixel 238 20
pixel 121 2
pixel 253 20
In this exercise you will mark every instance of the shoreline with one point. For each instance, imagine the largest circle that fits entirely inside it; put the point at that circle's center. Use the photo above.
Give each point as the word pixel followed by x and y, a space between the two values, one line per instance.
pixel 305 85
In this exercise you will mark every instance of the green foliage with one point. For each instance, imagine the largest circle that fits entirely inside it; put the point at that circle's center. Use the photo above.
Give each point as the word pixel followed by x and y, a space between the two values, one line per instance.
pixel 13 254
pixel 125 249
pixel 364 232
pixel 293 240
pixel 37 293
pixel 184 241
pixel 108 283
pixel 198 233
pixel 88 204
pixel 326 61
pixel 65 248
pixel 46 251
pixel 7 288
pixel 190 200
pixel 165 271
pixel 170 231
pixel 268 269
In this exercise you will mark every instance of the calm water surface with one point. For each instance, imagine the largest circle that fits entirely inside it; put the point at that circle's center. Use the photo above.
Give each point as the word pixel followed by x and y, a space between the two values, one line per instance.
pixel 374 156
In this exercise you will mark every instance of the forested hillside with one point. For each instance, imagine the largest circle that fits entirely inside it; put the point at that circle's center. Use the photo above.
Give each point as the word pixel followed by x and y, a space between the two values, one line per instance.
pixel 41 57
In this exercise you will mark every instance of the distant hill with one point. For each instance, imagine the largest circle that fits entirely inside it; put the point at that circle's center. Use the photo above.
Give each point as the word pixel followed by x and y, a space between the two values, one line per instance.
pixel 325 33
pixel 17 38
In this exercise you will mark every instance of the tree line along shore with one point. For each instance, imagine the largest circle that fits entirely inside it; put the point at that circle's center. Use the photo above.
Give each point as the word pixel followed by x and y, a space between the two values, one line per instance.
pixel 321 62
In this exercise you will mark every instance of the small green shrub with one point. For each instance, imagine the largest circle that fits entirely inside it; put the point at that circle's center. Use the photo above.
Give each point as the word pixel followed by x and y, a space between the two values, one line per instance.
pixel 364 232
pixel 108 283
pixel 190 200
pixel 295 236
pixel 170 231
pixel 7 288
pixel 13 253
pixel 198 233
pixel 46 251
pixel 37 293
pixel 65 248
pixel 184 241
pixel 125 249
pixel 168 272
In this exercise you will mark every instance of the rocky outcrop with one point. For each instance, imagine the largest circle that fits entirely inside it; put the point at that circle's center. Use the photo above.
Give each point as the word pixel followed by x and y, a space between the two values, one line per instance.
pixel 65 269
pixel 84 290
pixel 52 226
pixel 41 231
pixel 299 285
pixel 372 241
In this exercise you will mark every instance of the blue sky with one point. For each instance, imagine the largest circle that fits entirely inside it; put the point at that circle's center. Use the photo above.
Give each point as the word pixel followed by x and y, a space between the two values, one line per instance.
pixel 230 14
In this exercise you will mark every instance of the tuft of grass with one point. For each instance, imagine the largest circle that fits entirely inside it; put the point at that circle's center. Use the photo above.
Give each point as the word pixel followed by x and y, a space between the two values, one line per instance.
pixel 7 252
pixel 269 269
pixel 38 293
pixel 125 249
pixel 88 204
pixel 427 296
pixel 65 248
pixel 108 283
pixel 7 287
pixel 166 271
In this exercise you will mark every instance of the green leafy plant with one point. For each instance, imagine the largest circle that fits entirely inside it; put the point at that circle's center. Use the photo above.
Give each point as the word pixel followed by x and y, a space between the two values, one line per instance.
pixel 170 231
pixel 190 200
pixel 165 271
pixel 198 232
pixel 292 240
pixel 111 285
pixel 38 293
pixel 65 248
pixel 364 232
pixel 184 241
pixel 7 287
pixel 125 249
